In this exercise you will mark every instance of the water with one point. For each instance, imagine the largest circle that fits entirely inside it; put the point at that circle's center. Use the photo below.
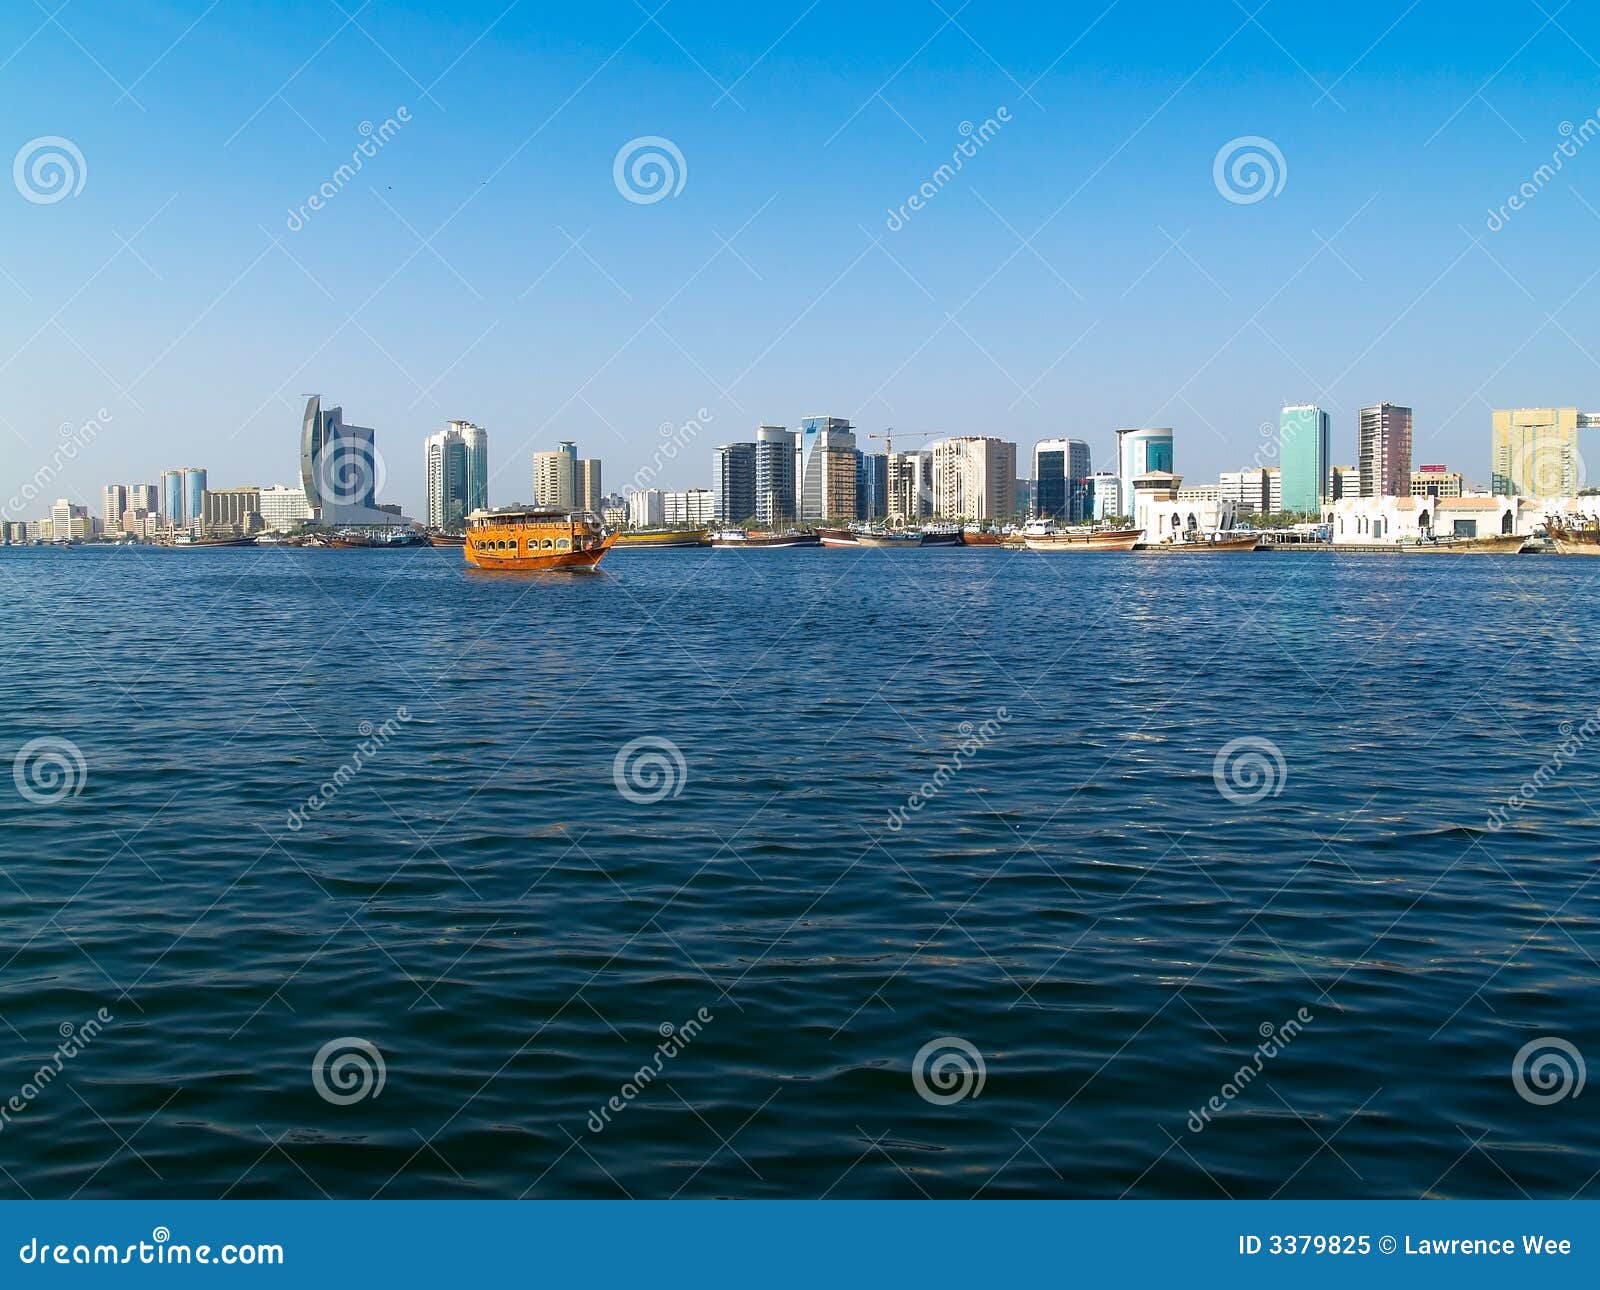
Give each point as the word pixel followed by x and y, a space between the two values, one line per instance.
pixel 1077 901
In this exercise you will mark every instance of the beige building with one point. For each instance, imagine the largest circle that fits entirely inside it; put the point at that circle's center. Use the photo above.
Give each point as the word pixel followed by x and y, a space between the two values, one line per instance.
pixel 1534 451
pixel 910 485
pixel 230 512
pixel 975 479
pixel 555 478
pixel 589 493
pixel 1436 481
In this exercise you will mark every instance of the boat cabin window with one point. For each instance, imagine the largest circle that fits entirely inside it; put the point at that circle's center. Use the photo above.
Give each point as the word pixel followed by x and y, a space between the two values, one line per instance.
pixel 547 544
pixel 562 544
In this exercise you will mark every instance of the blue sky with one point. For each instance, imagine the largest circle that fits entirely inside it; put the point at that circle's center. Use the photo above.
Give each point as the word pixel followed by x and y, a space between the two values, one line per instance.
pixel 1082 271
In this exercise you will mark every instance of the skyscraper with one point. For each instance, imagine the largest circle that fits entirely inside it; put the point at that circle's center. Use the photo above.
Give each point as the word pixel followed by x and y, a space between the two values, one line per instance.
pixel 144 497
pixel 910 485
pixel 1139 451
pixel 775 477
pixel 116 502
pixel 815 432
pixel 828 486
pixel 1060 473
pixel 733 482
pixel 172 496
pixel 1385 451
pixel 194 492
pixel 1303 456
pixel 340 470
pixel 588 484
pixel 555 481
pixel 872 486
pixel 975 479
pixel 448 473
pixel 476 439
pixel 1534 451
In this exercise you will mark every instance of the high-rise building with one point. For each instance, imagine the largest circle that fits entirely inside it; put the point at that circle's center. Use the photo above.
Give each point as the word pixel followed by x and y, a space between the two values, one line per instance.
pixel 1249 489
pixel 590 494
pixel 733 482
pixel 1534 451
pixel 975 479
pixel 194 491
pixel 1385 450
pixel 144 497
pixel 646 508
pixel 340 470
pixel 172 497
pixel 688 506
pixel 775 477
pixel 476 439
pixel 872 485
pixel 283 509
pixel 1304 435
pixel 233 512
pixel 1437 481
pixel 910 485
pixel 828 482
pixel 555 481
pixel 70 522
pixel 1105 496
pixel 1060 471
pixel 116 501
pixel 448 474
pixel 1139 451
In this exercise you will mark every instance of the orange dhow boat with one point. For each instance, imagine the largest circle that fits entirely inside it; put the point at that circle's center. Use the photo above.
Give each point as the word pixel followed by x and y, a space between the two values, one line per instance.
pixel 534 540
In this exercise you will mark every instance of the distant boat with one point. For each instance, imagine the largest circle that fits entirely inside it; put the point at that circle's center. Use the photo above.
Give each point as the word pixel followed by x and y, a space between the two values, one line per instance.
pixel 648 538
pixel 1569 540
pixel 188 542
pixel 436 538
pixel 1216 543
pixel 741 538
pixel 982 537
pixel 1496 545
pixel 391 537
pixel 1083 540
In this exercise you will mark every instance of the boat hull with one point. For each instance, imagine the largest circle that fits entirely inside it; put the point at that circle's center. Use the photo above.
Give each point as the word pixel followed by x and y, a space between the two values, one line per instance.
pixel 1574 541
pixel 767 541
pixel 1468 546
pixel 1105 540
pixel 543 562
pixel 1213 546
pixel 662 541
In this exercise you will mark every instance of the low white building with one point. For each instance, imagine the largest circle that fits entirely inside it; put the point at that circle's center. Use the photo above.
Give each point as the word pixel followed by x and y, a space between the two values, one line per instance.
pixel 1166 513
pixel 1368 520
pixel 689 506
pixel 646 509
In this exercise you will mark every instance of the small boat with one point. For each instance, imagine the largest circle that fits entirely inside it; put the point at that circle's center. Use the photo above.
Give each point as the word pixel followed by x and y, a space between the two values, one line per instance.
pixel 895 538
pixel 1497 545
pixel 982 537
pixel 1570 540
pixel 941 535
pixel 741 538
pixel 1219 542
pixel 1084 540
pixel 188 542
pixel 435 538
pixel 641 539
pixel 534 540
pixel 838 537
pixel 390 537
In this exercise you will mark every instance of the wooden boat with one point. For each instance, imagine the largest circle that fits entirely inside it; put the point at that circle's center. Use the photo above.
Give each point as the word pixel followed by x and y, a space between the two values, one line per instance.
pixel 982 537
pixel 186 543
pixel 534 540
pixel 941 535
pixel 648 538
pixel 893 539
pixel 838 537
pixel 1084 540
pixel 1569 540
pixel 1195 546
pixel 446 539
pixel 1496 545
pixel 382 538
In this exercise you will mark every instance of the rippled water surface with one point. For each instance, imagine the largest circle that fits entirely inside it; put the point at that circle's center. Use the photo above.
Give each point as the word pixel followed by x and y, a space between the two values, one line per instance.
pixel 1071 901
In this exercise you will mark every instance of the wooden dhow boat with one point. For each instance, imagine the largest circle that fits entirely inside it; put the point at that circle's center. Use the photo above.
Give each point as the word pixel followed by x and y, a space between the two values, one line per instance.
pixel 1083 540
pixel 1568 539
pixel 534 540
pixel 1499 544
pixel 1219 542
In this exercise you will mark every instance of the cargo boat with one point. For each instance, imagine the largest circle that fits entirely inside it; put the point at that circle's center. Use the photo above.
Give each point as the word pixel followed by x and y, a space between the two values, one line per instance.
pixel 982 537
pixel 648 538
pixel 740 538
pixel 446 539
pixel 1568 540
pixel 534 540
pixel 1084 540
pixel 1497 545
pixel 1196 546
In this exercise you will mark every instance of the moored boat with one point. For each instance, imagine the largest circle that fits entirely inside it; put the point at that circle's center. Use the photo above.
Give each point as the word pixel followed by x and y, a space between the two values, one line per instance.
pixel 982 537
pixel 741 538
pixel 1496 545
pixel 895 538
pixel 641 539
pixel 1568 539
pixel 838 537
pixel 534 540
pixel 941 535
pixel 446 539
pixel 1083 540
pixel 1220 542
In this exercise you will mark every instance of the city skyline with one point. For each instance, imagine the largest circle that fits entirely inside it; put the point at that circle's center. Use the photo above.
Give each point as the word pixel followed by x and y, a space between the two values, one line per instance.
pixel 1098 276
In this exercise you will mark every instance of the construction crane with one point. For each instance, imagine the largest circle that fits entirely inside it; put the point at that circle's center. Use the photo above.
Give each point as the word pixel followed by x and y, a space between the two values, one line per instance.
pixel 888 438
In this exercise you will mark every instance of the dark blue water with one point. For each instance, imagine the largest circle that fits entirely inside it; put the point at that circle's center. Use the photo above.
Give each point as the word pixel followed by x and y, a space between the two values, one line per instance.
pixel 1075 900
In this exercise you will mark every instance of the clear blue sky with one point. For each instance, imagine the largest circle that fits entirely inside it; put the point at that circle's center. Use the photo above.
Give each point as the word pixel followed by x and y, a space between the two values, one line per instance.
pixel 770 286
